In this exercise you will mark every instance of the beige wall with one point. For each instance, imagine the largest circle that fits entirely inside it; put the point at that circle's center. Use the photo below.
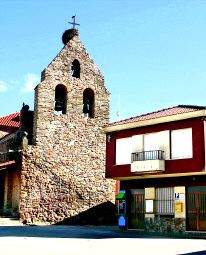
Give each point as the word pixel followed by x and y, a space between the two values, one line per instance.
pixel 3 133
pixel 180 203
pixel 11 191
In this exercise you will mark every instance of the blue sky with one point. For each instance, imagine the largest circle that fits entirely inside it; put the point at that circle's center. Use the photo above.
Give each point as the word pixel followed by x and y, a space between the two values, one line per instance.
pixel 152 53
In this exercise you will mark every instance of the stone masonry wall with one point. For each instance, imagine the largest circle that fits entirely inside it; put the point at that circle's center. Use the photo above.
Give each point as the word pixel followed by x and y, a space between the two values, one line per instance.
pixel 63 173
pixel 165 225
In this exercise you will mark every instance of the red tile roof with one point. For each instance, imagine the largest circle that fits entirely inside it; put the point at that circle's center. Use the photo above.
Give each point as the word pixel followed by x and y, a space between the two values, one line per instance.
pixel 161 113
pixel 11 120
pixel 6 164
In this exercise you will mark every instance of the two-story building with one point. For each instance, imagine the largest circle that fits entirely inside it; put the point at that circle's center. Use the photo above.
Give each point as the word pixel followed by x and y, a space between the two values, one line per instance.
pixel 159 160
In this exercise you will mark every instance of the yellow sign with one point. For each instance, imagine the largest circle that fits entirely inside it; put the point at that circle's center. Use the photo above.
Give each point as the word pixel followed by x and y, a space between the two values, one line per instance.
pixel 178 207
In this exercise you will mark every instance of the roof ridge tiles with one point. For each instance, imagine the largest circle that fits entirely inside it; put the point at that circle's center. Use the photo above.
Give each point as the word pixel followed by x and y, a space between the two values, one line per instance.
pixel 192 106
pixel 178 109
pixel 145 114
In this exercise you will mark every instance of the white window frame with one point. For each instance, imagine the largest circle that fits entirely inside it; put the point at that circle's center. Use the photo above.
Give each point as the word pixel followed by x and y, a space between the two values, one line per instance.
pixel 181 143
pixel 123 151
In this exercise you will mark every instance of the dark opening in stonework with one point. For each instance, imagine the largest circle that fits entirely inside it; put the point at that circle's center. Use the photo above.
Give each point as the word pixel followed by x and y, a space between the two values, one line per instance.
pixel 60 99
pixel 75 69
pixel 88 103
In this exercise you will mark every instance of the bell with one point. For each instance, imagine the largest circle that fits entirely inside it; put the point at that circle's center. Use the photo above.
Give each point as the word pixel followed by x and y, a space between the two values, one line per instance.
pixel 86 106
pixel 58 105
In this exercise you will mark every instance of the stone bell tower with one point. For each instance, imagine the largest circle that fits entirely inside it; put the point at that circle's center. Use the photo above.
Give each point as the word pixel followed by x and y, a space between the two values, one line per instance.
pixel 63 171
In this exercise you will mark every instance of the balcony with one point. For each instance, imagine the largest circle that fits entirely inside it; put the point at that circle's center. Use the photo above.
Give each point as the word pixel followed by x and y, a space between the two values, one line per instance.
pixel 148 161
pixel 147 155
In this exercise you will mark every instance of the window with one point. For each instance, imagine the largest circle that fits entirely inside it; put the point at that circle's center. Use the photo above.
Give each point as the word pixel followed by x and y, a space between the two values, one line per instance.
pixel 75 69
pixel 165 201
pixel 123 151
pixel 181 143
pixel 60 99
pixel 88 103
pixel 152 146
pixel 151 143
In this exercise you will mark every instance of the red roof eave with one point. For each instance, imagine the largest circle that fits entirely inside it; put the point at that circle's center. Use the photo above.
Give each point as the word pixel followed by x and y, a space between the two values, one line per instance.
pixel 165 115
pixel 6 164
pixel 8 120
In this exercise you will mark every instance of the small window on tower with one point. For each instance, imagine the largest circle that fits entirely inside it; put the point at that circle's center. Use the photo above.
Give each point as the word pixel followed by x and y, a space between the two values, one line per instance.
pixel 60 99
pixel 76 69
pixel 88 103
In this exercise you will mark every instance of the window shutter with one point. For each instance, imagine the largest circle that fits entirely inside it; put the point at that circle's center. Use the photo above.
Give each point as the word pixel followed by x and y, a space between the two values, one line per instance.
pixel 181 143
pixel 123 151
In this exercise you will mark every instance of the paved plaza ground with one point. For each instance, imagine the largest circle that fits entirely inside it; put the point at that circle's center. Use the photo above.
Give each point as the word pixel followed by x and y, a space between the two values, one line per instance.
pixel 88 240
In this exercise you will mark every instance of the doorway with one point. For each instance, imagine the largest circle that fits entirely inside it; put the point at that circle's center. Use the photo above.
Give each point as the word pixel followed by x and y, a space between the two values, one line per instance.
pixel 136 209
pixel 196 208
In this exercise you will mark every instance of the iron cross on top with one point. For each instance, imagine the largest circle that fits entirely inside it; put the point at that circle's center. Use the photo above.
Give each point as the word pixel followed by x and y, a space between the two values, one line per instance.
pixel 74 23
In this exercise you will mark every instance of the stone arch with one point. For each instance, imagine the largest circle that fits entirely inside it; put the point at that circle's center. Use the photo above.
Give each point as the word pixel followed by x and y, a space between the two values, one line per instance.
pixel 88 103
pixel 60 99
pixel 75 69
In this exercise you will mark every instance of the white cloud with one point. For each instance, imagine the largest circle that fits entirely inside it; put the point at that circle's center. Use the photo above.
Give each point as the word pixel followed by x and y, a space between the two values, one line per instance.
pixel 31 80
pixel 3 86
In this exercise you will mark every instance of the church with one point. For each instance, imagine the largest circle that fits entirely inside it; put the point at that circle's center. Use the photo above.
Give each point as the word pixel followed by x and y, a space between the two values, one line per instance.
pixel 52 159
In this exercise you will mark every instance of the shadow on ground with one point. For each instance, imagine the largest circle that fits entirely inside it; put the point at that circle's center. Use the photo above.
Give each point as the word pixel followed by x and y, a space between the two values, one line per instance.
pixel 102 214
pixel 54 231
pixel 195 253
